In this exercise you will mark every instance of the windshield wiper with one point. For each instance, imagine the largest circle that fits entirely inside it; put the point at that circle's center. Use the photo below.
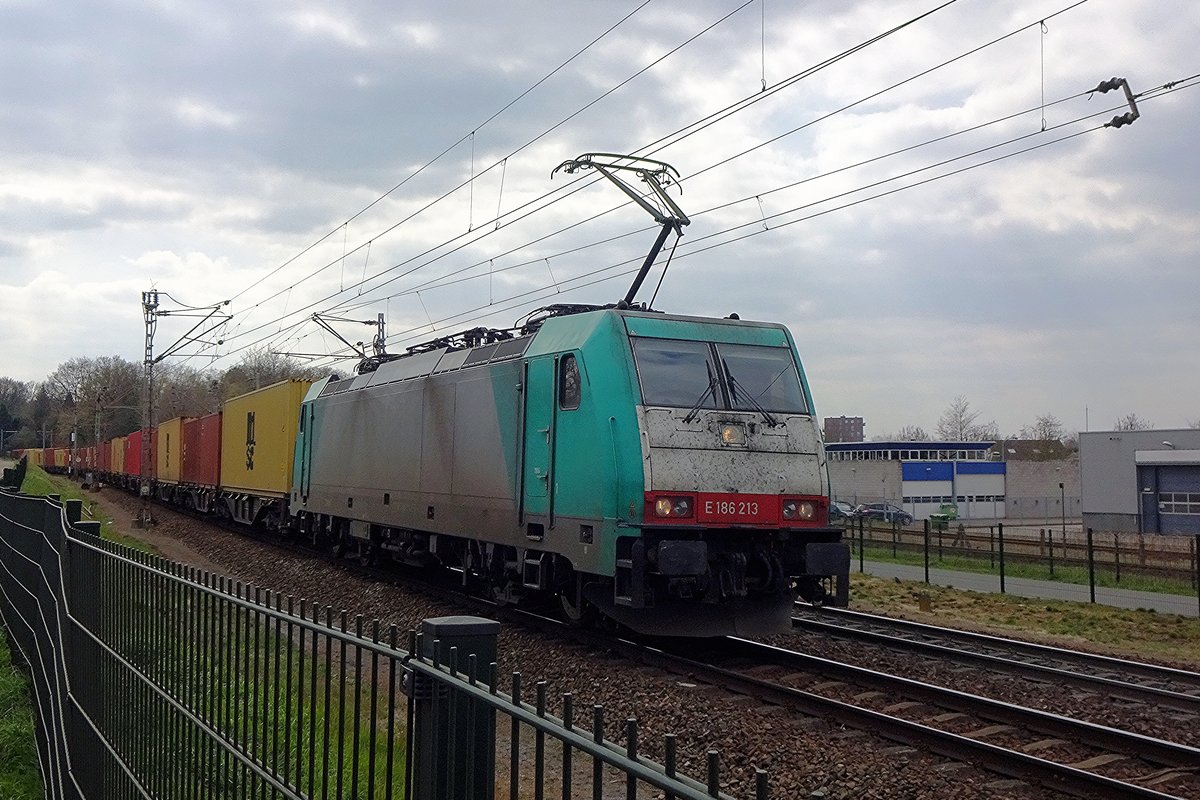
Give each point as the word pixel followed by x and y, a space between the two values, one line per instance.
pixel 710 389
pixel 735 385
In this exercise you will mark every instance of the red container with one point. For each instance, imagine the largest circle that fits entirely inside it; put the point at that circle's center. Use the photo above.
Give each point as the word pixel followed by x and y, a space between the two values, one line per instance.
pixel 104 457
pixel 48 458
pixel 133 453
pixel 201 459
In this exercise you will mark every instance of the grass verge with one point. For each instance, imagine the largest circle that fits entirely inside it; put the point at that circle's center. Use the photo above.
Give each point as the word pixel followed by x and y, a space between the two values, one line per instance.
pixel 1137 634
pixel 19 776
pixel 1063 573
pixel 39 482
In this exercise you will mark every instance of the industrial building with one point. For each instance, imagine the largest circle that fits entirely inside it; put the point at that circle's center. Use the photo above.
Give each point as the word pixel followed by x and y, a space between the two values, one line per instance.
pixel 1141 481
pixel 986 480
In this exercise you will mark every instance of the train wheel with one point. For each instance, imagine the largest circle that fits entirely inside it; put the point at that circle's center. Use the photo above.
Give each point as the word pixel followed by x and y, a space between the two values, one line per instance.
pixel 575 608
pixel 366 554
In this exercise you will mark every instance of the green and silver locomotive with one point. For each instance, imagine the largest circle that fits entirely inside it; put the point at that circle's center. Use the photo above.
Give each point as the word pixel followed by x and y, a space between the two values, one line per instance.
pixel 663 471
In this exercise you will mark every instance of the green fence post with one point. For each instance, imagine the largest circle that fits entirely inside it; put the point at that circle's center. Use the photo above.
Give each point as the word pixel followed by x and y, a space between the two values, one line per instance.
pixel 1197 543
pixel 1050 547
pixel 1000 536
pixel 1091 558
pixel 926 551
pixel 1117 554
pixel 861 543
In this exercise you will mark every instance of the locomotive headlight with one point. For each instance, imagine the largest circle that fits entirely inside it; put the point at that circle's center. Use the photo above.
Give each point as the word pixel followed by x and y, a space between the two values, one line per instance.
pixel 799 509
pixel 733 434
pixel 676 507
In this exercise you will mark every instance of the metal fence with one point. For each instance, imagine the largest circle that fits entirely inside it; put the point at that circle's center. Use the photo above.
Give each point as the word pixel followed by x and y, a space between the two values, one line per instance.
pixel 1080 561
pixel 153 679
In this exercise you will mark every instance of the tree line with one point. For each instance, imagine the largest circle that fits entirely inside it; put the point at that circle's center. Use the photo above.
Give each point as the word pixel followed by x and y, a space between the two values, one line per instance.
pixel 101 398
pixel 960 423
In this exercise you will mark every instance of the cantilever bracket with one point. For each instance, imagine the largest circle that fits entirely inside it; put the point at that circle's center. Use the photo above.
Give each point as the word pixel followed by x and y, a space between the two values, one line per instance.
pixel 655 174
pixel 1129 116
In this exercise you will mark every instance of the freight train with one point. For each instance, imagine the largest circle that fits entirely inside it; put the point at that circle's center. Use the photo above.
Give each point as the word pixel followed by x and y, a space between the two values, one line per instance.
pixel 663 471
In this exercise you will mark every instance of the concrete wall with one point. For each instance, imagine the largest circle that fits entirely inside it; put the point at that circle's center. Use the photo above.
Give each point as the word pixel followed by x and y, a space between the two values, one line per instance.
pixel 865 481
pixel 1032 489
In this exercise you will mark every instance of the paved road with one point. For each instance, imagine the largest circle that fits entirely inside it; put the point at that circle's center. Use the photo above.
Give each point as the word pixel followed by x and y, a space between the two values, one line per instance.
pixel 1024 587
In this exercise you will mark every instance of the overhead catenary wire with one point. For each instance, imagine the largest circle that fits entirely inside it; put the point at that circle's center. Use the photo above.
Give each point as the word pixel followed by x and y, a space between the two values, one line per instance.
pixel 492 166
pixel 1143 94
pixel 703 123
pixel 441 280
pixel 542 293
pixel 448 149
pixel 776 138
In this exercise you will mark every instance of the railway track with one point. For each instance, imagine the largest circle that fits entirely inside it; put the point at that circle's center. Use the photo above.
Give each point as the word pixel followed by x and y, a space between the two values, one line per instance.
pixel 768 673
pixel 1168 688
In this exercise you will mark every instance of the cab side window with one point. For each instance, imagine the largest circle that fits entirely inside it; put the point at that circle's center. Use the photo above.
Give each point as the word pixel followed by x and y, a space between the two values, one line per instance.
pixel 569 387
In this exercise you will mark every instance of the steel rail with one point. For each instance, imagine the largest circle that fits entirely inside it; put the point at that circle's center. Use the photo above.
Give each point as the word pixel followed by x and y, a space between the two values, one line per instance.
pixel 1092 661
pixel 1148 748
pixel 1138 692
pixel 1060 777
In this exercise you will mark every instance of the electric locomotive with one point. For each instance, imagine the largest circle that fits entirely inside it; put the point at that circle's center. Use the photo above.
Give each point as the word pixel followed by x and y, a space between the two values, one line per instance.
pixel 664 471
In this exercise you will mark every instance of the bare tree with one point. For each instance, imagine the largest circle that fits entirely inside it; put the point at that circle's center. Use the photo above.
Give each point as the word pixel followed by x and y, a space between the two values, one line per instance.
pixel 1193 423
pixel 1046 428
pixel 260 367
pixel 910 433
pixel 183 391
pixel 1132 422
pixel 112 398
pixel 957 424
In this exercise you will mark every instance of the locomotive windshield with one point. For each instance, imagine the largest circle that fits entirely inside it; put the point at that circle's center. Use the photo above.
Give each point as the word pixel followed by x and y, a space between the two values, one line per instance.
pixel 742 377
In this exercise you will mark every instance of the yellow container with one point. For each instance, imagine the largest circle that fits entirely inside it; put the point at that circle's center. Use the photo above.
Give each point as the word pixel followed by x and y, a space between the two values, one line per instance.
pixel 168 458
pixel 258 438
pixel 34 456
pixel 116 464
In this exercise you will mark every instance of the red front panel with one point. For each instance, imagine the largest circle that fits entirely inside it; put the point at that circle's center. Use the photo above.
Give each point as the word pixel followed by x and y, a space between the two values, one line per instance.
pixel 201 457
pixel 737 509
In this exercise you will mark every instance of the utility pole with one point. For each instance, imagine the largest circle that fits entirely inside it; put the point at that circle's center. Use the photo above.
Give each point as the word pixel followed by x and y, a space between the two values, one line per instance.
pixel 151 313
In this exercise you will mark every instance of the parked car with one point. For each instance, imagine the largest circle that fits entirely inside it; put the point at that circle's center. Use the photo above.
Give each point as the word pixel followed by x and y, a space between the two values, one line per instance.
pixel 840 510
pixel 885 512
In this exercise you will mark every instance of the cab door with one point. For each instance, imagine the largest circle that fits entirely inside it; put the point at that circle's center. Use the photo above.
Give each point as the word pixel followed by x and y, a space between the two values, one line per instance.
pixel 537 478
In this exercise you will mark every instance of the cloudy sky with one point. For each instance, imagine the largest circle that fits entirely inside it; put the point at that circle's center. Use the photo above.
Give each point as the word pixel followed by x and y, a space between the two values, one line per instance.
pixel 359 158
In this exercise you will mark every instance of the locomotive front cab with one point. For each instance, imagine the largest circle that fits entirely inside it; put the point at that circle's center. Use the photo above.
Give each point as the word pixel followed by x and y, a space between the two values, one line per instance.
pixel 735 499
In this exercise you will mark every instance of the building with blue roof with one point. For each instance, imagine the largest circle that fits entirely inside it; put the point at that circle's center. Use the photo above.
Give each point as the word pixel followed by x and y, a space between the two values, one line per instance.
pixel 921 477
